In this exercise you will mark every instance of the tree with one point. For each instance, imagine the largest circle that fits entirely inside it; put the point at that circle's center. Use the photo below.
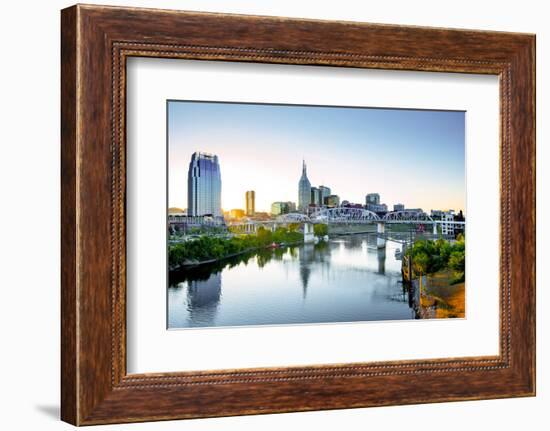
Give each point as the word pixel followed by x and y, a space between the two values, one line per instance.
pixel 320 229
pixel 457 262
pixel 293 227
pixel 421 262
pixel 264 235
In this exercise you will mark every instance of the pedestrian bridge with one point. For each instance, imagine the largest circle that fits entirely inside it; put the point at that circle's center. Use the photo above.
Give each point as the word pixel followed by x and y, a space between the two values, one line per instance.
pixel 358 215
pixel 346 216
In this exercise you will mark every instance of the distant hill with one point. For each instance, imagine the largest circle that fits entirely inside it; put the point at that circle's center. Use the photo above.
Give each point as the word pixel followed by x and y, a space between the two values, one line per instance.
pixel 173 210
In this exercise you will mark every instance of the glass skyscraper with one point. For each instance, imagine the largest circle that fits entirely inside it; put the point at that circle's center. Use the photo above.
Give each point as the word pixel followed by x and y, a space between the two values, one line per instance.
pixel 325 192
pixel 304 190
pixel 204 186
pixel 316 197
pixel 373 198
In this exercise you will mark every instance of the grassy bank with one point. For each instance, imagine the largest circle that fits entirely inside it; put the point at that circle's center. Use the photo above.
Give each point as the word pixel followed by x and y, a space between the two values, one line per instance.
pixel 443 265
pixel 208 249
pixel 447 298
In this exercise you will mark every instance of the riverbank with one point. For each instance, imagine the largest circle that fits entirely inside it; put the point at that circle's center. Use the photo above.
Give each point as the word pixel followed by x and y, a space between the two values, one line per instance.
pixel 445 299
pixel 194 263
pixel 206 249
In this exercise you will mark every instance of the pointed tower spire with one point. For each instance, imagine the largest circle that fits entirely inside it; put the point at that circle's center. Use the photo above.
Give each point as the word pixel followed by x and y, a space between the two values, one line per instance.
pixel 304 190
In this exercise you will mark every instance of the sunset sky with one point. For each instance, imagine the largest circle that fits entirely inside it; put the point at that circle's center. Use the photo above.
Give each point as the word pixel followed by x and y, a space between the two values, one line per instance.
pixel 414 157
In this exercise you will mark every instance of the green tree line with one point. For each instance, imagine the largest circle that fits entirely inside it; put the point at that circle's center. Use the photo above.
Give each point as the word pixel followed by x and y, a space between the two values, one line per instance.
pixel 432 256
pixel 208 247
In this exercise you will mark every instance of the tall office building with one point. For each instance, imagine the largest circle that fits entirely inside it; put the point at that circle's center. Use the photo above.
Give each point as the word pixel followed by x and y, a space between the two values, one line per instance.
pixel 316 197
pixel 250 198
pixel 325 192
pixel 204 185
pixel 373 198
pixel 304 190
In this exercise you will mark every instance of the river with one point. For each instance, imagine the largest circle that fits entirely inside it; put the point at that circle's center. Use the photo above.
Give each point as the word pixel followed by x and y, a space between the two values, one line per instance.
pixel 346 279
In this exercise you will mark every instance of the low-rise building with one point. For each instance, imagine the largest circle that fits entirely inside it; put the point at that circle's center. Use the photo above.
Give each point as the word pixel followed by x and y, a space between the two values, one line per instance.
pixel 436 214
pixel 448 229
pixel 278 208
pixel 332 201
pixel 236 213
pixel 377 208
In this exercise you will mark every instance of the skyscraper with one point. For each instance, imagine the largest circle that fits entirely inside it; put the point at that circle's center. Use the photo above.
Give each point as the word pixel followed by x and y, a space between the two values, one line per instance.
pixel 316 197
pixel 250 198
pixel 204 185
pixel 325 192
pixel 304 190
pixel 373 198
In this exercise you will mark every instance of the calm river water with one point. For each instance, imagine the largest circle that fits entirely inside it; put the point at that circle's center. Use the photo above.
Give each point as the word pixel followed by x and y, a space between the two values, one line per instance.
pixel 346 279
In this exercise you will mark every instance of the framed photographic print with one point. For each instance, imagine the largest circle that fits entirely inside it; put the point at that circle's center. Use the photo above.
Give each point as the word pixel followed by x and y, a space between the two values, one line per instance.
pixel 267 215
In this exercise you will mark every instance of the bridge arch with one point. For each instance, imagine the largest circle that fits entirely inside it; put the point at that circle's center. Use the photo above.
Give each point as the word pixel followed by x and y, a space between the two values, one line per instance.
pixel 407 216
pixel 293 218
pixel 344 215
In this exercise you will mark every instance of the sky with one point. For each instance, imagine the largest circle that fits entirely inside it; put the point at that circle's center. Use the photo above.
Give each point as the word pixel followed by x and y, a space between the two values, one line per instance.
pixel 414 157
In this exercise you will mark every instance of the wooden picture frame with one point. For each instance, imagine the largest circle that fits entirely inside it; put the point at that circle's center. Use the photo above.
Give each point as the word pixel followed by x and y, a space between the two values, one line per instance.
pixel 95 43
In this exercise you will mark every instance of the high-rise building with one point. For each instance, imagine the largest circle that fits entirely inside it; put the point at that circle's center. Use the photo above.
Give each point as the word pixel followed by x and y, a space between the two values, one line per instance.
pixel 399 207
pixel 304 190
pixel 316 197
pixel 325 192
pixel 373 198
pixel 204 185
pixel 250 198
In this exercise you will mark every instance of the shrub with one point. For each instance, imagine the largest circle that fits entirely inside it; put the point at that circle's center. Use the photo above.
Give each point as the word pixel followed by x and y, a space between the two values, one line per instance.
pixel 320 229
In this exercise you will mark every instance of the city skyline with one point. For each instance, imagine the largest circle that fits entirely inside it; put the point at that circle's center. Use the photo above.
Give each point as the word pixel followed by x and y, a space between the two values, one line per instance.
pixel 407 156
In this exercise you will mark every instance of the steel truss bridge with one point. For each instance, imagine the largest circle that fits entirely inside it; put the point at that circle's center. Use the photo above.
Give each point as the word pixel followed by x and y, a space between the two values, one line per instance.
pixel 361 215
pixel 346 216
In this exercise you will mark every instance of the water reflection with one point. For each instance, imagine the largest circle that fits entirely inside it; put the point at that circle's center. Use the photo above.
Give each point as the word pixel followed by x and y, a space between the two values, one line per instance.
pixel 344 280
pixel 203 297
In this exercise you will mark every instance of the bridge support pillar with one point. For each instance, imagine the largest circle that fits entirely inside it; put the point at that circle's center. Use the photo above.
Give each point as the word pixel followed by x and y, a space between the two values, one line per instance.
pixel 380 230
pixel 308 233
